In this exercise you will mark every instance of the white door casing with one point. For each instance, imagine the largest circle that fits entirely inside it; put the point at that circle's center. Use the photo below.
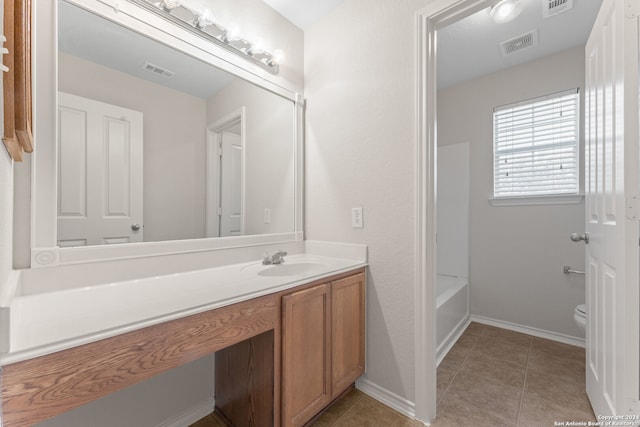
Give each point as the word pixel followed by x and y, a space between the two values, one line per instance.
pixel 230 146
pixel 100 199
pixel 611 176
pixel 216 156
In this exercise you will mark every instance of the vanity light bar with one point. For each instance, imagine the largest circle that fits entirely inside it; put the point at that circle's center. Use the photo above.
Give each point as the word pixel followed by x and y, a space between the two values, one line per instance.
pixel 203 25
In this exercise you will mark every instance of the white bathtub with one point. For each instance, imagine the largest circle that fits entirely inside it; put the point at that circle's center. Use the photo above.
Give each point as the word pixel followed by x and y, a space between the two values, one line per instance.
pixel 452 311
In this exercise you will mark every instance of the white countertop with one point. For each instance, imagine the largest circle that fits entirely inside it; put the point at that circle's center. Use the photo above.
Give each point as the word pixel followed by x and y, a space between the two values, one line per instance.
pixel 44 323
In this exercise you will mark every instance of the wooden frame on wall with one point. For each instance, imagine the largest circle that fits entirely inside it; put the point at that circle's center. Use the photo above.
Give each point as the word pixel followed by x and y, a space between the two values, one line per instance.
pixel 18 137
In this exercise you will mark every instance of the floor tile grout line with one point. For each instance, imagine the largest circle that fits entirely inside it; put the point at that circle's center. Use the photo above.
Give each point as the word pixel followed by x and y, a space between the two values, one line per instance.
pixel 496 415
pixel 348 410
pixel 524 383
pixel 477 340
pixel 455 374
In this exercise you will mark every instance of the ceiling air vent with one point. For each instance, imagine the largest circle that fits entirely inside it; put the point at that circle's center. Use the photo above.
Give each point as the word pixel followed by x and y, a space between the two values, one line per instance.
pixel 158 70
pixel 519 43
pixel 553 7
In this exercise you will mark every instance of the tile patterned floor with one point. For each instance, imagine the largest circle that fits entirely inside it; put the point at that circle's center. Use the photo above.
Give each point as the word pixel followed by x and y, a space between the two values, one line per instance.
pixel 495 377
pixel 492 377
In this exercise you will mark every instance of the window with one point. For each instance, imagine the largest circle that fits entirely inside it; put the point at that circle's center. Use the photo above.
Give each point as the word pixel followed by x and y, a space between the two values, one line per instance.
pixel 536 147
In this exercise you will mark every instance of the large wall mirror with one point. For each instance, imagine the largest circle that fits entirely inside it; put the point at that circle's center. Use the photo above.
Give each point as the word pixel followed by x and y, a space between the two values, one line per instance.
pixel 155 142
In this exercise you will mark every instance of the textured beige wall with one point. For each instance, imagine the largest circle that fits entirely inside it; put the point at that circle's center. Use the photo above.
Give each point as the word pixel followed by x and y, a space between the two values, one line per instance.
pixel 360 151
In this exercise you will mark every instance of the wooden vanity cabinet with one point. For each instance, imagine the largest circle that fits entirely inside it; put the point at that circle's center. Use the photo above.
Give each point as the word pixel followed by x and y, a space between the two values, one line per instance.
pixel 322 345
pixel 347 332
pixel 306 356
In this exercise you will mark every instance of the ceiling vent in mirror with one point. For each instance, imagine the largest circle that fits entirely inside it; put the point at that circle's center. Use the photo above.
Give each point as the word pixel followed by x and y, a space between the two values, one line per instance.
pixel 553 7
pixel 516 44
pixel 158 70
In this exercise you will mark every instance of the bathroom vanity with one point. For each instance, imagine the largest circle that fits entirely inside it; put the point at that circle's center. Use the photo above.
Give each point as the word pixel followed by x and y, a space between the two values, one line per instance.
pixel 292 343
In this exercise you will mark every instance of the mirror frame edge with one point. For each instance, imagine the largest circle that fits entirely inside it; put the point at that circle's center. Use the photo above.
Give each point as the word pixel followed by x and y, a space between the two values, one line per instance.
pixel 44 251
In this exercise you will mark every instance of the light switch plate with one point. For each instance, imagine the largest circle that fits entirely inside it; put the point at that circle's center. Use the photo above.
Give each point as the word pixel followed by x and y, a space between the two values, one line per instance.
pixel 356 218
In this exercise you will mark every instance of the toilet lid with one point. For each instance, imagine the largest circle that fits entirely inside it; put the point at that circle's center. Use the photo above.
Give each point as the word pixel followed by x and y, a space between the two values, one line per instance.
pixel 582 309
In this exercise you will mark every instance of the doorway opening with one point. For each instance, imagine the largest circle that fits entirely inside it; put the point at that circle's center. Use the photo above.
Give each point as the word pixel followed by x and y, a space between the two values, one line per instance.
pixel 431 20
pixel 225 192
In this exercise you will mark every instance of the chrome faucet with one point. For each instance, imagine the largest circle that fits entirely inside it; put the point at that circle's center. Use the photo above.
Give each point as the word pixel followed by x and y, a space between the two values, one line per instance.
pixel 276 258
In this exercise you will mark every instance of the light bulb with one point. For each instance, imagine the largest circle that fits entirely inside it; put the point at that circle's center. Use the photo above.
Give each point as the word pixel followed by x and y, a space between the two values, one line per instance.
pixel 169 5
pixel 279 57
pixel 204 19
pixel 233 33
pixel 256 47
pixel 506 10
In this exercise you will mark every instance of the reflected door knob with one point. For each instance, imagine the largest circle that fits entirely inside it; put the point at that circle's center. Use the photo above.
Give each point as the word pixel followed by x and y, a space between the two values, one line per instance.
pixel 135 227
pixel 575 237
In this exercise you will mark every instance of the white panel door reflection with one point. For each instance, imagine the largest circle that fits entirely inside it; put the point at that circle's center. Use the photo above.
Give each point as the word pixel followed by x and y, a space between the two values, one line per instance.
pixel 100 197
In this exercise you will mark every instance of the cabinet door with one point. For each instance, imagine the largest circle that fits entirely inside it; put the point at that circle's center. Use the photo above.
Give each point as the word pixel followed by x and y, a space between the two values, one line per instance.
pixel 306 361
pixel 348 334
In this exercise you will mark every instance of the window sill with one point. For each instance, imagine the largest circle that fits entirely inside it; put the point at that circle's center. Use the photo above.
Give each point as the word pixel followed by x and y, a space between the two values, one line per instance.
pixel 565 199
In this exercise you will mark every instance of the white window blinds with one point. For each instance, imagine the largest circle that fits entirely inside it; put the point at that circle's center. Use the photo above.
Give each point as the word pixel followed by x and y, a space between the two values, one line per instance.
pixel 536 146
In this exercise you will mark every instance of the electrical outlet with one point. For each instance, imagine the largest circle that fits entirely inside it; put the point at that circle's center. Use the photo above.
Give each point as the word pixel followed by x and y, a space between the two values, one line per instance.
pixel 356 218
pixel 267 216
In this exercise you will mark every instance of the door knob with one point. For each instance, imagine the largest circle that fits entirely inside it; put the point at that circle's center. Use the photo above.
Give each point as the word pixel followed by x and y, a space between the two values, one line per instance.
pixel 575 237
pixel 135 227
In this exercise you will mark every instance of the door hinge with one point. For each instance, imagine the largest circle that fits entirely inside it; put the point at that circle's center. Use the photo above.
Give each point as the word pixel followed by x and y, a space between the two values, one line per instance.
pixel 219 148
pixel 633 207
pixel 219 211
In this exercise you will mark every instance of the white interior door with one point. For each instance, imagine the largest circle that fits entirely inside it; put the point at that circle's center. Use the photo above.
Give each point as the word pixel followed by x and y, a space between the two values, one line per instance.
pixel 230 184
pixel 611 176
pixel 99 173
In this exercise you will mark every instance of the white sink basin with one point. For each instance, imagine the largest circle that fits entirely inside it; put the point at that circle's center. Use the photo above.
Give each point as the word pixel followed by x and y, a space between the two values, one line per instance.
pixel 293 269
pixel 289 268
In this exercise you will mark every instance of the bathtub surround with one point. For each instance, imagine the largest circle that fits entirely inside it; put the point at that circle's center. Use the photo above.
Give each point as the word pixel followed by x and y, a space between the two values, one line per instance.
pixel 452 280
pixel 453 210
pixel 517 252
pixel 452 312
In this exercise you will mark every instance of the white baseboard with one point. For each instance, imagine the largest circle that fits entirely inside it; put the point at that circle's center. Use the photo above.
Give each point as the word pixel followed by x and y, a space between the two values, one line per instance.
pixel 387 397
pixel 191 416
pixel 540 333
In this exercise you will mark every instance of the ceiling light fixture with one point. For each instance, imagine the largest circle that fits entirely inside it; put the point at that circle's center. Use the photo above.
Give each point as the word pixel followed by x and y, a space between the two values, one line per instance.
pixel 202 23
pixel 506 10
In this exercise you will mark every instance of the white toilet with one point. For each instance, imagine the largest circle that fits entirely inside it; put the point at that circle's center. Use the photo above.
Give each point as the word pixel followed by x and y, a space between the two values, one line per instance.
pixel 580 316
